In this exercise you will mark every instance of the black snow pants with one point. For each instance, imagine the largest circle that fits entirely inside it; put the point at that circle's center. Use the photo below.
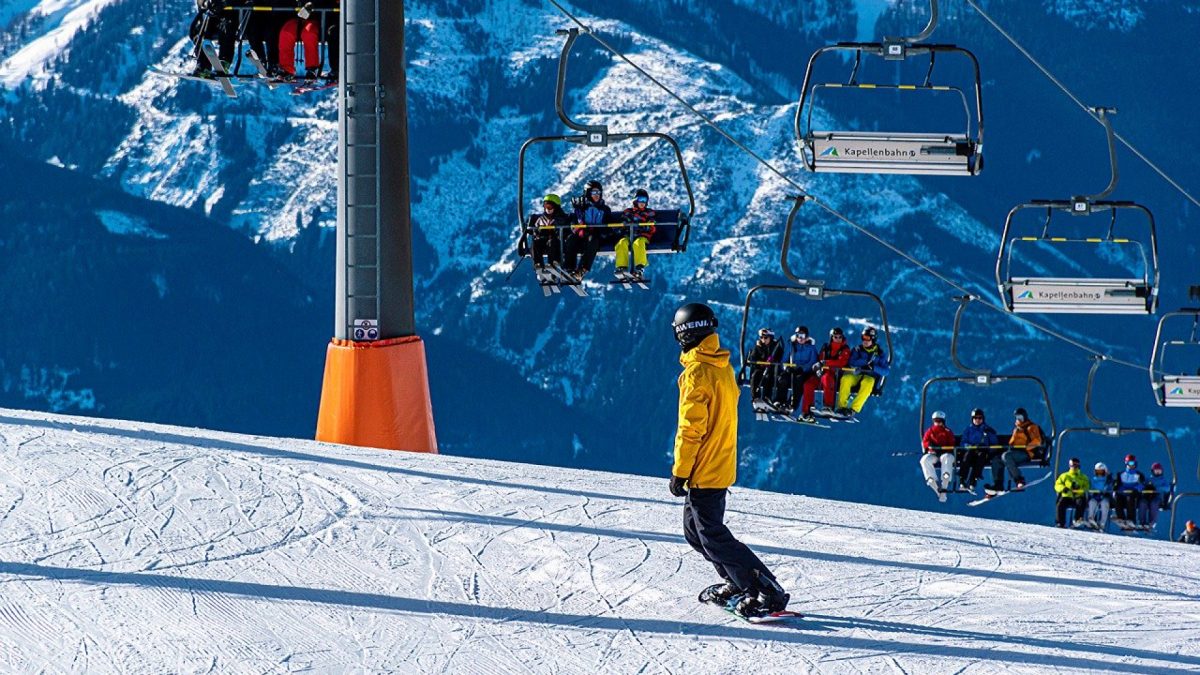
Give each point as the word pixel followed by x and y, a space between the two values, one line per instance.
pixel 704 528
pixel 1064 503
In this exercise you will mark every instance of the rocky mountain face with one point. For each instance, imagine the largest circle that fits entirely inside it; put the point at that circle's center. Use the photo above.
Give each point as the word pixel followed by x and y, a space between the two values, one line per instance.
pixel 169 251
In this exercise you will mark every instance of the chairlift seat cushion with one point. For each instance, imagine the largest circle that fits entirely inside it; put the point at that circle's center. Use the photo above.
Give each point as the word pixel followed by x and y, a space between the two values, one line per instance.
pixel 1181 391
pixel 899 153
pixel 1080 296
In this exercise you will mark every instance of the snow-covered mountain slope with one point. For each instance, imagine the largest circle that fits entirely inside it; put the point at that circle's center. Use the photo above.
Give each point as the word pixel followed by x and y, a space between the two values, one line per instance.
pixel 133 547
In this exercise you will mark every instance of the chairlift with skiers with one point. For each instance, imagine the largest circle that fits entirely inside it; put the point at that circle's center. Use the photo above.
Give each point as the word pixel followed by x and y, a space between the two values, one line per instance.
pixel 789 387
pixel 1113 431
pixel 1173 533
pixel 1130 294
pixel 941 152
pixel 1176 388
pixel 269 35
pixel 1038 457
pixel 671 227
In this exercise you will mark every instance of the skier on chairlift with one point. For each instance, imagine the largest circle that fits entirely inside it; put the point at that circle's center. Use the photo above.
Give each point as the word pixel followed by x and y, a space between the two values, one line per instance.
pixel 1027 443
pixel 938 444
pixel 590 215
pixel 549 226
pixel 1129 485
pixel 980 440
pixel 212 22
pixel 767 359
pixel 868 363
pixel 640 212
pixel 1100 497
pixel 831 359
pixel 1072 488
pixel 1156 497
pixel 801 360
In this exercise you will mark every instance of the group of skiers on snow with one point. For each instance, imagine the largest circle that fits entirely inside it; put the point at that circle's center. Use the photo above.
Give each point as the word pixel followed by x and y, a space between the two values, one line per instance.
pixel 573 240
pixel 1138 498
pixel 979 446
pixel 272 35
pixel 786 379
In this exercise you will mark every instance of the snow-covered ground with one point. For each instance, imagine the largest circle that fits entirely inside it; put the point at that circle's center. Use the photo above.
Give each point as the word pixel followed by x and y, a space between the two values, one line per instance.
pixel 138 548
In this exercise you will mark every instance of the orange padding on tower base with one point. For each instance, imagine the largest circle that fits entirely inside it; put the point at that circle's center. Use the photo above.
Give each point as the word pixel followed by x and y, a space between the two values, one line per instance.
pixel 376 395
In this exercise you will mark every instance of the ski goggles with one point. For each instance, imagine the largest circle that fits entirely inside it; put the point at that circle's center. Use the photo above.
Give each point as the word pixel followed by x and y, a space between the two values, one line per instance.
pixel 595 193
pixel 641 200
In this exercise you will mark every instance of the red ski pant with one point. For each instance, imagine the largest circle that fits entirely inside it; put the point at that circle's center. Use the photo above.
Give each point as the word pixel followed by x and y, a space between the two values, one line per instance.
pixel 828 382
pixel 310 34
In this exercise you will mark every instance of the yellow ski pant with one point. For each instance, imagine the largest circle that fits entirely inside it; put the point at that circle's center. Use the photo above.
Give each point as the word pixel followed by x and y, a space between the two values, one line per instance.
pixel 639 252
pixel 866 385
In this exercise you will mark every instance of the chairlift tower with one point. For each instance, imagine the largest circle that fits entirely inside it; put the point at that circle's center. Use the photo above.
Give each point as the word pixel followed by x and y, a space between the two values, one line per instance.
pixel 376 387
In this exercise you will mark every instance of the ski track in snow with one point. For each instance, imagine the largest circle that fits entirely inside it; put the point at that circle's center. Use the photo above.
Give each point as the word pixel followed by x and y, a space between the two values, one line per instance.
pixel 133 547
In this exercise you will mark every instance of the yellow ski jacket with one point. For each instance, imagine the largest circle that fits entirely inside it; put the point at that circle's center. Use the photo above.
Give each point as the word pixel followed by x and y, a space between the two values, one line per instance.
pixel 1072 483
pixel 706 442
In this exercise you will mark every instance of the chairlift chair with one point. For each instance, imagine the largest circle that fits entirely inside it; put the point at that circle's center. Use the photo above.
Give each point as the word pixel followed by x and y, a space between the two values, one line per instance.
pixel 809 290
pixel 1179 389
pixel 1081 295
pixel 245 9
pixel 984 378
pixel 1173 533
pixel 947 153
pixel 672 227
pixel 1110 430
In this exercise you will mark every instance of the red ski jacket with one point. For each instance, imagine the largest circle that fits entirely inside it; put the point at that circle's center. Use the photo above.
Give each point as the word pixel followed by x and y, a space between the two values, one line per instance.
pixel 938 435
pixel 835 357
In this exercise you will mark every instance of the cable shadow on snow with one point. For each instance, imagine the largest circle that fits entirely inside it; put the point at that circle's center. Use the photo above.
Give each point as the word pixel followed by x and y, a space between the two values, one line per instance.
pixel 1076 658
pixel 640 535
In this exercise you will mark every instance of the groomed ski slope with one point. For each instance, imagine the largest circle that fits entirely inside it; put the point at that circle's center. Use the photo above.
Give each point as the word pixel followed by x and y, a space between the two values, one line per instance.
pixel 138 548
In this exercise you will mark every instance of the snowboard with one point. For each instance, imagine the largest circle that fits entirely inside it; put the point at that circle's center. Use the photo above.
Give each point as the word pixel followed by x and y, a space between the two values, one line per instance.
pixel 773 617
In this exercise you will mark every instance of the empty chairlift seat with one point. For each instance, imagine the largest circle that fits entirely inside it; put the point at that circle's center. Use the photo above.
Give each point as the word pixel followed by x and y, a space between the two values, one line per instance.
pixel 1175 389
pixel 1078 294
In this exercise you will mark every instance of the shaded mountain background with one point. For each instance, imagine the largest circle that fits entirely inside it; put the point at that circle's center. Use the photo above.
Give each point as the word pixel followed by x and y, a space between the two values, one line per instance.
pixel 169 252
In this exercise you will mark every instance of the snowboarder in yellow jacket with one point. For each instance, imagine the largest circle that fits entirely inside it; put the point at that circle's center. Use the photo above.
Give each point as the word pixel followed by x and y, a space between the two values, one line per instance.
pixel 706 465
pixel 1072 488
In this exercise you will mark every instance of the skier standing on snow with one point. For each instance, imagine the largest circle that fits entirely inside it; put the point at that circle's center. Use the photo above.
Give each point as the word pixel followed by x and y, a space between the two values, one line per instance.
pixel 1190 534
pixel 1100 497
pixel 1025 444
pixel 1071 487
pixel 801 361
pixel 979 440
pixel 640 212
pixel 1156 497
pixel 938 443
pixel 706 465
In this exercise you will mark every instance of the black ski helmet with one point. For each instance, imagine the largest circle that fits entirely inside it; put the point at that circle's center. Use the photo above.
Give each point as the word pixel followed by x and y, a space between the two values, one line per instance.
pixel 1074 461
pixel 693 322
pixel 978 412
pixel 1020 414
pixel 641 194
pixel 593 185
pixel 836 331
pixel 869 331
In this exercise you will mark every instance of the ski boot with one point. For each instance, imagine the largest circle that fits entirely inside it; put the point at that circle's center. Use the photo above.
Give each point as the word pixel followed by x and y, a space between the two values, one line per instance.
pixel 808 418
pixel 719 594
pixel 637 272
pixel 844 412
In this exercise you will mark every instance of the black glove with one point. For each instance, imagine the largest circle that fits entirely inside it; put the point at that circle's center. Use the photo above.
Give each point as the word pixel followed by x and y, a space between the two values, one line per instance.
pixel 578 203
pixel 679 486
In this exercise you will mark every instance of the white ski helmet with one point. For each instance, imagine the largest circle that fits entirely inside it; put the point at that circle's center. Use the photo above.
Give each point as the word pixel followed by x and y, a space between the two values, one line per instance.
pixel 1100 466
pixel 939 415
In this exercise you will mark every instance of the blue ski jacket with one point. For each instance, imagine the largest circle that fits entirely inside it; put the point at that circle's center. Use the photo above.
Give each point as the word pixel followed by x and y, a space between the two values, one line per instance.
pixel 804 355
pixel 1160 484
pixel 1131 480
pixel 1103 486
pixel 870 360
pixel 980 434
